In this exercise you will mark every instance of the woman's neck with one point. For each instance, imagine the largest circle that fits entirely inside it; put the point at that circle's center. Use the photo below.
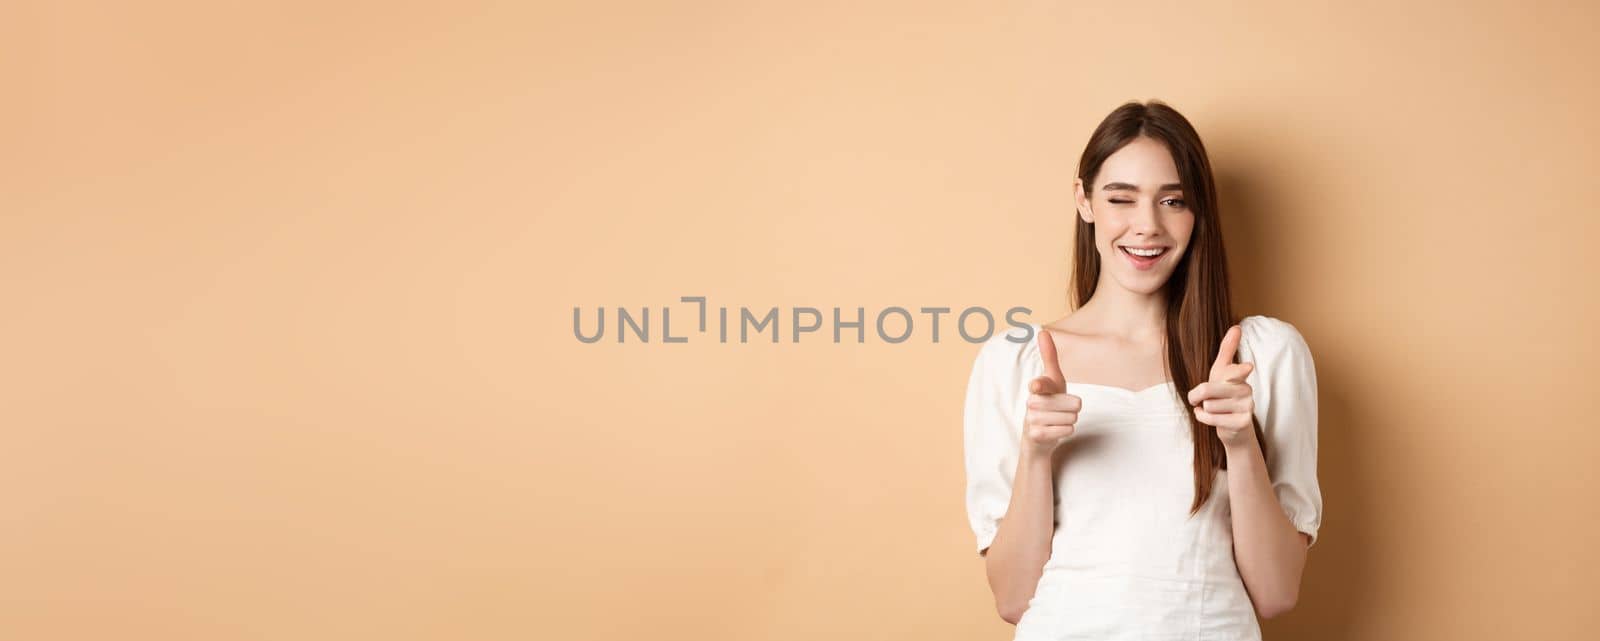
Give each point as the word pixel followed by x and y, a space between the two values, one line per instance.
pixel 1114 311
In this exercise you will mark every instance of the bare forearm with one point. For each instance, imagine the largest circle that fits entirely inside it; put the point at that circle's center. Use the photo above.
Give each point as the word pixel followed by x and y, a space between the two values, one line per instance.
pixel 1021 546
pixel 1270 553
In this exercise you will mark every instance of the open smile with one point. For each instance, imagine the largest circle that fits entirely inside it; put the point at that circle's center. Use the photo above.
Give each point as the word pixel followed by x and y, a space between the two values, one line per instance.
pixel 1142 258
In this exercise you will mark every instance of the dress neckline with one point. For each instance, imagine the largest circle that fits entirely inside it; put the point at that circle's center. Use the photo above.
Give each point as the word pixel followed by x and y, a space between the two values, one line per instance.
pixel 1121 390
pixel 1039 327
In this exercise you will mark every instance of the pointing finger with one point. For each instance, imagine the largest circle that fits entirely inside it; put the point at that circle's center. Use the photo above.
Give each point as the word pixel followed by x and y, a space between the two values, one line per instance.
pixel 1225 355
pixel 1052 364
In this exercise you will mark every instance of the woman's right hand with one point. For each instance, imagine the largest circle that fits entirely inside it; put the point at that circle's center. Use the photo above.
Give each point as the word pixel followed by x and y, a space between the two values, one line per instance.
pixel 1052 413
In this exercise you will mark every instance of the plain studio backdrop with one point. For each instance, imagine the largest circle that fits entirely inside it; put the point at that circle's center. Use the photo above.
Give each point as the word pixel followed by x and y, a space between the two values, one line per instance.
pixel 287 346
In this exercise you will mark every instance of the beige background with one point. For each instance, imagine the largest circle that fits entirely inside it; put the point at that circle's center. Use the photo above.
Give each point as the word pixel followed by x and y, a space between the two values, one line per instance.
pixel 286 350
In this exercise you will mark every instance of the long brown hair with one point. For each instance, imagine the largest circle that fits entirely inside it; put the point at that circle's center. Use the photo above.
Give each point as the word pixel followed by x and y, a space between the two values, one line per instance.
pixel 1199 306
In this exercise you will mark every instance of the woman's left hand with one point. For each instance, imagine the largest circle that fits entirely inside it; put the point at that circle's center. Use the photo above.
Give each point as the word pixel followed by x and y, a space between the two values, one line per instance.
pixel 1225 401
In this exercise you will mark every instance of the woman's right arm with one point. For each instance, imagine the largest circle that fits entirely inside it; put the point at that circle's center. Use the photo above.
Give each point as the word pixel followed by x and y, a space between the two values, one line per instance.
pixel 1010 443
pixel 1015 561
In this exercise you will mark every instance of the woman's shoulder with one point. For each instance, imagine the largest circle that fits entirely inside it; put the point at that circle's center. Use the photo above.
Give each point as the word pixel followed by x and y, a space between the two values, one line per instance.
pixel 1009 348
pixel 1262 336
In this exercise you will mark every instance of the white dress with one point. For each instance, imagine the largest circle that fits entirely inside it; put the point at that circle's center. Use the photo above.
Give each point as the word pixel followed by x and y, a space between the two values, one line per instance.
pixel 1127 561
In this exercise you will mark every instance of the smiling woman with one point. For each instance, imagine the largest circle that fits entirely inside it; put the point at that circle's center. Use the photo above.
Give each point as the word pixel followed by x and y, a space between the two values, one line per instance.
pixel 1176 494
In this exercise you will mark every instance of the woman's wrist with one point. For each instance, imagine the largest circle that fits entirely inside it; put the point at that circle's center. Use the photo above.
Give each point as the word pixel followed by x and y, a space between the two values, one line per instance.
pixel 1246 447
pixel 1035 455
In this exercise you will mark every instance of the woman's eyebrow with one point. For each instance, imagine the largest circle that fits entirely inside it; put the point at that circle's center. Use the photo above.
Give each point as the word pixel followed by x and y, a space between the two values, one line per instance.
pixel 1135 189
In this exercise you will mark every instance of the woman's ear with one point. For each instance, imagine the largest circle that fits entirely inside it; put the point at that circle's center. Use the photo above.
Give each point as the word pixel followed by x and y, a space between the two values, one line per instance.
pixel 1082 200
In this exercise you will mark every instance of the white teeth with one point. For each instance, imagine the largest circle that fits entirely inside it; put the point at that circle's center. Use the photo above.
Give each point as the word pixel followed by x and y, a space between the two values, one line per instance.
pixel 1145 252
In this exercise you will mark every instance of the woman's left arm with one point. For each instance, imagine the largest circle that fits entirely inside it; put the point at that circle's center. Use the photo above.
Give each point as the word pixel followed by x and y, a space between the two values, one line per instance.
pixel 1270 552
pixel 1275 513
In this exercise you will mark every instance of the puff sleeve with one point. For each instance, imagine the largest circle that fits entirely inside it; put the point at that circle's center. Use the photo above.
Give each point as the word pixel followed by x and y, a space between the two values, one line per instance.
pixel 1284 383
pixel 992 433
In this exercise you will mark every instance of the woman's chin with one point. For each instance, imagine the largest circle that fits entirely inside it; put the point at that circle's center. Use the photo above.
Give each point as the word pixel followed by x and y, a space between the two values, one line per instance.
pixel 1143 282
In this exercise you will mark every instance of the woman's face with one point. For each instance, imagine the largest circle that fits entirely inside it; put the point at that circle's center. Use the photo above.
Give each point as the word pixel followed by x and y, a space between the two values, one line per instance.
pixel 1138 202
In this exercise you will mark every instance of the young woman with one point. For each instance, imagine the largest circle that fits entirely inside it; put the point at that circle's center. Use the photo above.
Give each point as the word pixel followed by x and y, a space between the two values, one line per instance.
pixel 1146 466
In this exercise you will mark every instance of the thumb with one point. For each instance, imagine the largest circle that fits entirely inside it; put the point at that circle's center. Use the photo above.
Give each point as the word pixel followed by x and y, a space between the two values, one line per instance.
pixel 1052 364
pixel 1244 370
pixel 1043 385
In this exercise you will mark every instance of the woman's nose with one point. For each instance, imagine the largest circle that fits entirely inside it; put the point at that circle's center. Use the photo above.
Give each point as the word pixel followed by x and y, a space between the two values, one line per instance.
pixel 1146 218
